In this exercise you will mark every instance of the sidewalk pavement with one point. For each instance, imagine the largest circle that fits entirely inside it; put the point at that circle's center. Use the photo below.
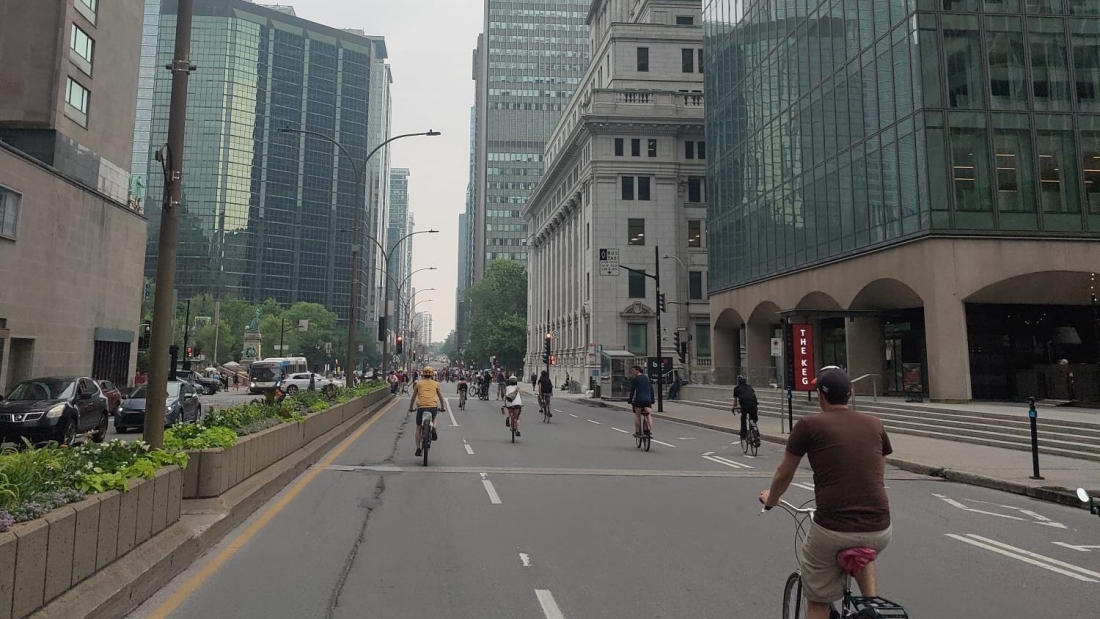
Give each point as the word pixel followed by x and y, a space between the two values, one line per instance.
pixel 1007 470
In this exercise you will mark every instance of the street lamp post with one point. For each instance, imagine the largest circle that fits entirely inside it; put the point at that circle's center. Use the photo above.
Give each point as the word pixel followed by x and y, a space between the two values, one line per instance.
pixel 386 313
pixel 357 223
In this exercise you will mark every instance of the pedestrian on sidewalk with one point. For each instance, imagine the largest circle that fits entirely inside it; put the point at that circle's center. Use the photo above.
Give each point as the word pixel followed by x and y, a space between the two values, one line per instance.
pixel 236 381
pixel 744 400
pixel 847 451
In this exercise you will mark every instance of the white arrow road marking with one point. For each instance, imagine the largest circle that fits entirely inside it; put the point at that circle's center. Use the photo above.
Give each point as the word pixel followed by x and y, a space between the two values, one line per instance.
pixel 525 559
pixel 1077 548
pixel 1038 560
pixel 730 463
pixel 549 606
pixel 1047 522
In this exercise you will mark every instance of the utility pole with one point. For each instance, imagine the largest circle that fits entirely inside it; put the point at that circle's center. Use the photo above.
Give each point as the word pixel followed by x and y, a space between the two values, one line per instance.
pixel 186 337
pixel 172 160
pixel 549 337
pixel 660 359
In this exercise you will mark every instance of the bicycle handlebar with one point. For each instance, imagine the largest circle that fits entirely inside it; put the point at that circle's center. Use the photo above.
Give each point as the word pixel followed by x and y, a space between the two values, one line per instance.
pixel 792 509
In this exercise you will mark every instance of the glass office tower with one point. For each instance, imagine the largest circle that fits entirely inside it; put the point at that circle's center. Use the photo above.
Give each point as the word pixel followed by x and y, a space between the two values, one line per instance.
pixel 532 57
pixel 265 214
pixel 838 128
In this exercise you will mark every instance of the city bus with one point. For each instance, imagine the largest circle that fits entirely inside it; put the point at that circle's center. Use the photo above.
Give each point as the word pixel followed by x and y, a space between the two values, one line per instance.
pixel 270 373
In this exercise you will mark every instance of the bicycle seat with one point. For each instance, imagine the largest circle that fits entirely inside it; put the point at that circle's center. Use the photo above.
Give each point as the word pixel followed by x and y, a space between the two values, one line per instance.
pixel 853 560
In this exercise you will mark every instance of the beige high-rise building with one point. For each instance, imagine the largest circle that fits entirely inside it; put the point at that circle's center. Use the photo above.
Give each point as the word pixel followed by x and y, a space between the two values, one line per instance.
pixel 71 236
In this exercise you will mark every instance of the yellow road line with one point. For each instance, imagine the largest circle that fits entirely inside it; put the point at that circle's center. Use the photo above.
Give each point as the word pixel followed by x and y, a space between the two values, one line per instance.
pixel 185 590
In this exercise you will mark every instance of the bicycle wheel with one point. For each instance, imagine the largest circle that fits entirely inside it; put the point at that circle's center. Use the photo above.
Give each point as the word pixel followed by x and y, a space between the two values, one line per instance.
pixel 512 425
pixel 745 445
pixel 646 432
pixel 426 440
pixel 647 442
pixel 754 446
pixel 794 607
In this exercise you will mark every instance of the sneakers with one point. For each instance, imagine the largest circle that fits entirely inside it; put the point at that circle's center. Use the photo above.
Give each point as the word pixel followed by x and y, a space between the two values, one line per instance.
pixel 549 414
pixel 435 436
pixel 637 435
pixel 419 452
pixel 518 434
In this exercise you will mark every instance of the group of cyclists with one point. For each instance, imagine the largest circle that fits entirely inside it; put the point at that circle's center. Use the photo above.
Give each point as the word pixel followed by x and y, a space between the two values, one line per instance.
pixel 846 449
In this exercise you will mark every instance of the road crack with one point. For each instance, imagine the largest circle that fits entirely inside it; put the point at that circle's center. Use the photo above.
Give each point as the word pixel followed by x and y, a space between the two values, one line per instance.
pixel 374 503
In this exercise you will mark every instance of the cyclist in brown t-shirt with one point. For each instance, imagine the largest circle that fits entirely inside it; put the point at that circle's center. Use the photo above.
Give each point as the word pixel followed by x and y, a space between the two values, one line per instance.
pixel 847 451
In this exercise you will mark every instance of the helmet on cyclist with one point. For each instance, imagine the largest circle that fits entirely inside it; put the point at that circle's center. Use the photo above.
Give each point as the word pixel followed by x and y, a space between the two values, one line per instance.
pixel 741 380
pixel 427 372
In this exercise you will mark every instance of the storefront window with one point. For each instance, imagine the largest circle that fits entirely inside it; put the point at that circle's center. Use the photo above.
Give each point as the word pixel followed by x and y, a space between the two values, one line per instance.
pixel 702 341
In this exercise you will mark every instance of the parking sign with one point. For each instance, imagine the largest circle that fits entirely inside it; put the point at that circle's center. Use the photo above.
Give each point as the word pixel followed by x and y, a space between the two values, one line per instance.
pixel 609 262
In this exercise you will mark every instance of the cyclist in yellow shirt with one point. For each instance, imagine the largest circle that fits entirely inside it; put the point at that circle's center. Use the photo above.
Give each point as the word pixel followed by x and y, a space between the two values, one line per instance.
pixel 427 397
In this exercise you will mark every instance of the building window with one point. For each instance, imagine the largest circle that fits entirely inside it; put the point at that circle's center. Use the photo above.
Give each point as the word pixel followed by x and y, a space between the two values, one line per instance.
pixel 81 49
pixel 635 148
pixel 635 232
pixel 685 20
pixel 702 341
pixel 1086 64
pixel 1049 65
pixel 695 233
pixel 587 286
pixel 1007 73
pixel 1057 165
pixel 970 164
pixel 628 188
pixel 643 188
pixel 587 235
pixel 643 59
pixel 652 148
pixel 636 283
pixel 636 339
pixel 700 61
pixel 695 285
pixel 687 60
pixel 689 150
pixel 1015 179
pixel 695 189
pixel 963 48
pixel 9 212
pixel 88 8
pixel 701 149
pixel 77 99
pixel 618 147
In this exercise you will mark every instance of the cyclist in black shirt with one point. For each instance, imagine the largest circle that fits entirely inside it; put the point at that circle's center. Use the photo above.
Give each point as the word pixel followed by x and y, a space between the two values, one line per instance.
pixel 545 388
pixel 744 399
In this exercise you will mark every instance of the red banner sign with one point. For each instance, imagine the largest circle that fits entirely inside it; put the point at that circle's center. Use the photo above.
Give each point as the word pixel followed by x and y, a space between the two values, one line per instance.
pixel 803 357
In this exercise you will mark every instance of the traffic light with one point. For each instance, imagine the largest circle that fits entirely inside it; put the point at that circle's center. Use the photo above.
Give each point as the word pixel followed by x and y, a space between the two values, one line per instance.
pixel 553 360
pixel 662 302
pixel 683 352
pixel 190 352
pixel 400 344
pixel 546 358
pixel 679 347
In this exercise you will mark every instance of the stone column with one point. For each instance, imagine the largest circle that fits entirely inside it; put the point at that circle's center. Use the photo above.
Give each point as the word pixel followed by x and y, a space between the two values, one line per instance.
pixel 866 342
pixel 948 349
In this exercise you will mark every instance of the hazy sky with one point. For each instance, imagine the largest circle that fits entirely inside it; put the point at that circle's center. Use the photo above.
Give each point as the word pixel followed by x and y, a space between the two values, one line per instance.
pixel 430 44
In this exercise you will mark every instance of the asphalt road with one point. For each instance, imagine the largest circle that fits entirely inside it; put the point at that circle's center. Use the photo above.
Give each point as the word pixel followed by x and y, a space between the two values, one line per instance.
pixel 572 521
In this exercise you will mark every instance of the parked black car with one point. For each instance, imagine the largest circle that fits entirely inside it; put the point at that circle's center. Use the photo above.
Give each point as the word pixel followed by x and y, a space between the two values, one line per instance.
pixel 207 386
pixel 183 406
pixel 54 409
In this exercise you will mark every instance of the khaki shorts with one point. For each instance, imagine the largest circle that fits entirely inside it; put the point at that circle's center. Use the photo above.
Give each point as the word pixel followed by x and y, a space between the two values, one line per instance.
pixel 822 577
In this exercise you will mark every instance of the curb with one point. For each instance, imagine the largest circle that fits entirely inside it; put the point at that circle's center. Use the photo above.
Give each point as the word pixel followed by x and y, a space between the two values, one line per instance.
pixel 1050 494
pixel 124 585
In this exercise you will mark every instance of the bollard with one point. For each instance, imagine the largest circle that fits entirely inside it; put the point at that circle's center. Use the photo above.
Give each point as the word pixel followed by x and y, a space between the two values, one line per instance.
pixel 1033 415
pixel 790 412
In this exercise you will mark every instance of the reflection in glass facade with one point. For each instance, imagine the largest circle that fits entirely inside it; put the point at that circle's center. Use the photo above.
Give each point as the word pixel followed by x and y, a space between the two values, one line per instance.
pixel 264 214
pixel 535 55
pixel 837 126
pixel 397 227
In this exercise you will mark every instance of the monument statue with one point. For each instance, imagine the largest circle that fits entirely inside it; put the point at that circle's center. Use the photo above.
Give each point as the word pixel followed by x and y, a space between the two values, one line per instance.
pixel 255 324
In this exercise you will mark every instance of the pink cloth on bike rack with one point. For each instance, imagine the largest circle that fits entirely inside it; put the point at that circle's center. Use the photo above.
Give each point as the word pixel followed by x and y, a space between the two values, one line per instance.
pixel 853 560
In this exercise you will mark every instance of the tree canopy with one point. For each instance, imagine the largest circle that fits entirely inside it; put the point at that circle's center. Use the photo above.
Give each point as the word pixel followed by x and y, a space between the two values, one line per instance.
pixel 498 315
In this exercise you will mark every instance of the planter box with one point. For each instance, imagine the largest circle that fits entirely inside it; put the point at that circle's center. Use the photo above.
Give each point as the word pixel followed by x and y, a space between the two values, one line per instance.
pixel 211 472
pixel 41 559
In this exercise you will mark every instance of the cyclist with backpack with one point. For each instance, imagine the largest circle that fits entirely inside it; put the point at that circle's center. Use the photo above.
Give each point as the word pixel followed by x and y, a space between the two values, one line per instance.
pixel 744 400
